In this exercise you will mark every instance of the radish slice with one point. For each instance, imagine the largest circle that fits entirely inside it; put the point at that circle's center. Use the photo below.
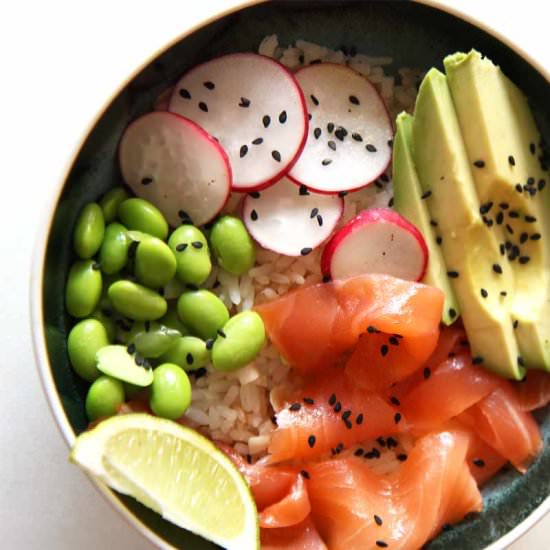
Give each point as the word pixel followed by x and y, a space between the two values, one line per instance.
pixel 176 165
pixel 378 240
pixel 291 220
pixel 254 107
pixel 348 145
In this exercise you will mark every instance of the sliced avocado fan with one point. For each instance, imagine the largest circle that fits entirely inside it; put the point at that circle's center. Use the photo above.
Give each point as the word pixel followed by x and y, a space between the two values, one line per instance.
pixel 409 202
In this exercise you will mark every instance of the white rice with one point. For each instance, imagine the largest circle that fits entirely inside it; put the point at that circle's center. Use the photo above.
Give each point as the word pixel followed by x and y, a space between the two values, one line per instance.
pixel 236 408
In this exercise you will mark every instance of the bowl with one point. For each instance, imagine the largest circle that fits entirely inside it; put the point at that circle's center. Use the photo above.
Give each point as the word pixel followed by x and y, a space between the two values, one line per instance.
pixel 414 34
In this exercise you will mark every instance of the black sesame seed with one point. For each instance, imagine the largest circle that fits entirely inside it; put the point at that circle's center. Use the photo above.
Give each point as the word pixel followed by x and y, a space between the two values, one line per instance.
pixel 346 415
pixel 530 219
pixel 395 401
pixel 258 141
pixel 340 133
pixel 197 244
pixel 276 155
pixel 181 247
pixel 359 419
pixel 253 215
pixel 332 399
pixel 266 120
pixel 131 349
pixel 532 148
pixel 245 102
pixel 402 457
pixel 438 240
pixel 541 185
pixel 305 251
pixel 337 407
pixel 502 249
pixel 295 407
pixel 427 373
pixel 381 441
pixel 309 401
pixel 524 259
pixel 339 447
pixel 314 99
pixel 283 117
pixel 372 330
pixel 189 359
pixel 243 150
pixel 330 127
pixel 523 238
pixel 348 424
pixel 381 544
pixel 513 214
pixel 359 452
pixel 426 194
pixel 332 145
pixel 209 343
pixel 303 191
pixel 185 93
pixel 499 218
pixel 326 162
pixel 199 373
pixel 184 217
pixel 254 194
pixel 478 462
pixel 203 106
pixel 146 181
pixel 497 268
pixel 313 213
pixel 221 333
pixel 535 237
pixel 390 203
pixel 521 362
pixel 390 144
pixel 209 85
pixel 452 313
pixel 530 181
pixel 353 100
pixel 503 293
pixel 511 160
pixel 515 324
pixel 311 441
pixel 479 163
pixel 320 220
pixel 484 293
pixel 377 520
pixel 138 359
pixel 453 274
pixel 397 418
pixel 504 205
pixel 317 133
pixel 370 148
pixel 305 474
pixel 484 208
pixel 391 442
pixel 393 341
pixel 356 136
pixel 509 229
pixel 519 188
pixel 384 350
pixel 477 360
pixel 433 223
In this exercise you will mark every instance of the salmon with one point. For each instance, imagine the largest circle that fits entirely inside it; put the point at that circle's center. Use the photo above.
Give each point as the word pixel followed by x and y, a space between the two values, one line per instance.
pixel 303 536
pixel 534 391
pixel 499 420
pixel 313 326
pixel 484 462
pixel 354 507
pixel 331 413
pixel 445 392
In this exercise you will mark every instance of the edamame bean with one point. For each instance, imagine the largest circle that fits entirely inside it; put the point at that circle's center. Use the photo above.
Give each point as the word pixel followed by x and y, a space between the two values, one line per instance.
pixel 136 301
pixel 105 317
pixel 170 391
pixel 172 320
pixel 110 202
pixel 85 339
pixel 243 340
pixel 152 339
pixel 83 289
pixel 232 245
pixel 190 247
pixel 88 231
pixel 188 352
pixel 155 263
pixel 113 253
pixel 203 312
pixel 143 216
pixel 105 395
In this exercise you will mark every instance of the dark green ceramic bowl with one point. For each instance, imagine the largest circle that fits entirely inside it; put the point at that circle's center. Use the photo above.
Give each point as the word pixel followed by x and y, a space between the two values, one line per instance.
pixel 414 34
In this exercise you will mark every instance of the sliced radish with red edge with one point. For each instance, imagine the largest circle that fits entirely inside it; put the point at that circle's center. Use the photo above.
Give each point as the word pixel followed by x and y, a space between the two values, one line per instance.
pixel 348 144
pixel 254 107
pixel 291 220
pixel 173 163
pixel 378 240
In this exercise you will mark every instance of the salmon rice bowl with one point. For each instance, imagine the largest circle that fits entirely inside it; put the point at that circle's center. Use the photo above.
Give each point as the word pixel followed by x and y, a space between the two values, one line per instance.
pixel 306 316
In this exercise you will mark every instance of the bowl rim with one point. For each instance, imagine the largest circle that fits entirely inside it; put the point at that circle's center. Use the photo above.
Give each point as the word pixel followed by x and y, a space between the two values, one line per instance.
pixel 46 221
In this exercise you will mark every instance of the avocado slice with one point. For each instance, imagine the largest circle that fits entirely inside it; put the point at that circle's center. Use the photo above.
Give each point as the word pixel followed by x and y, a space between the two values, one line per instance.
pixel 498 128
pixel 470 248
pixel 407 195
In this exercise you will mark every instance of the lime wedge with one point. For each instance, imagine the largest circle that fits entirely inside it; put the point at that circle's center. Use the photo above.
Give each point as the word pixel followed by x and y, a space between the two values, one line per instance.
pixel 176 472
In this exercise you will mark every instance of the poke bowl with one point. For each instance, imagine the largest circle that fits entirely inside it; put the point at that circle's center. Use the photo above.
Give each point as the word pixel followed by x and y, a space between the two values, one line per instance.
pixel 312 157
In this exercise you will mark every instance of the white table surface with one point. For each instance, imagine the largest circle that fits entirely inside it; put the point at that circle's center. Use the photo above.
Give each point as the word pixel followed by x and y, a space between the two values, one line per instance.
pixel 60 61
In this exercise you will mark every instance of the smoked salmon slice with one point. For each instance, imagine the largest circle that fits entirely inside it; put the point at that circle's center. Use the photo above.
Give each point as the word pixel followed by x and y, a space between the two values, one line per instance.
pixel 500 422
pixel 484 462
pixel 303 536
pixel 354 507
pixel 445 392
pixel 313 326
pixel 331 413
pixel 534 391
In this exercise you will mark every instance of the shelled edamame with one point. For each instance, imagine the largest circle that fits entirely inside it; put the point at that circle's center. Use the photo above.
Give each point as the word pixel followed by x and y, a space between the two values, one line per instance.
pixel 132 337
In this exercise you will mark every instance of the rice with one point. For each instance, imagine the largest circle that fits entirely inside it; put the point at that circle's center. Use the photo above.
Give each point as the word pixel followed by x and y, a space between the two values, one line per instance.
pixel 237 407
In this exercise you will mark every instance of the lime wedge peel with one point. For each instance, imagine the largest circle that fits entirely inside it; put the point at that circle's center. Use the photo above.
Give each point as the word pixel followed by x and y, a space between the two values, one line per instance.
pixel 176 472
